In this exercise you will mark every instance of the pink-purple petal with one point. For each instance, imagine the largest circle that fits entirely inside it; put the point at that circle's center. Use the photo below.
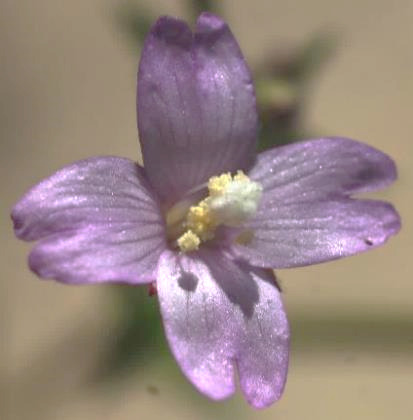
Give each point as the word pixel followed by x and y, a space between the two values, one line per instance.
pixel 264 349
pixel 307 215
pixel 321 168
pixel 219 314
pixel 196 105
pixel 298 234
pixel 96 220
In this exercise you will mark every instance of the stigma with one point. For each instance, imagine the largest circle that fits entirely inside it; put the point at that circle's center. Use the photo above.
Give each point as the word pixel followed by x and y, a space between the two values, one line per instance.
pixel 231 201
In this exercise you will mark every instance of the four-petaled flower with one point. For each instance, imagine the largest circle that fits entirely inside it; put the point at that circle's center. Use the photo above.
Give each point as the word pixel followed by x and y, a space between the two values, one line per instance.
pixel 205 218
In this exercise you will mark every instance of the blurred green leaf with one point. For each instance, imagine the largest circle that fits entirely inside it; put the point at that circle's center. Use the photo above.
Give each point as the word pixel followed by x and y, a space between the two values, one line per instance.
pixel 311 57
pixel 134 21
pixel 138 335
pixel 282 86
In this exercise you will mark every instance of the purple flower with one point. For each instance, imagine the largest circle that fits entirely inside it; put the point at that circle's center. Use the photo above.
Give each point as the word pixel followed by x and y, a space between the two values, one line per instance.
pixel 206 219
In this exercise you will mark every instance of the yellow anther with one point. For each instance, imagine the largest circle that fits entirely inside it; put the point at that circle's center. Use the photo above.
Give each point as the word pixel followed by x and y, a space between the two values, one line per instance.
pixel 231 201
pixel 188 241
pixel 240 176
pixel 199 219
pixel 217 184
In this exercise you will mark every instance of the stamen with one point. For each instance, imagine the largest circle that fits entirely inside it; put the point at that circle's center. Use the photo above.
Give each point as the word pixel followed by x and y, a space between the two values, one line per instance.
pixel 237 201
pixel 201 221
pixel 231 201
pixel 188 242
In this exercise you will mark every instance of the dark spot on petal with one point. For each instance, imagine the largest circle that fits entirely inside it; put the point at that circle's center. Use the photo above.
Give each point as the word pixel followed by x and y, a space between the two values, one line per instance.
pixel 241 291
pixel 368 242
pixel 188 281
pixel 152 290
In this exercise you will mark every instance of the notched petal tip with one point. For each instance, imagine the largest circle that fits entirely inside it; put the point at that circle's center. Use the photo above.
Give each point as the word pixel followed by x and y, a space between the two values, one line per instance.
pixel 392 221
pixel 17 222
pixel 19 215
pixel 265 396
pixel 211 30
pixel 173 31
pixel 39 265
pixel 210 23
pixel 35 264
pixel 389 168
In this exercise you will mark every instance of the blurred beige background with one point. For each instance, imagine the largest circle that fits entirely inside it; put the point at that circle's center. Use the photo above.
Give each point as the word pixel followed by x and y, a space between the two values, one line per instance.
pixel 67 91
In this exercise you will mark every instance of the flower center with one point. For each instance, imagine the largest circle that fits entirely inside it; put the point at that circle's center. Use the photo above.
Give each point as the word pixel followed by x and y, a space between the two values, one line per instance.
pixel 231 201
